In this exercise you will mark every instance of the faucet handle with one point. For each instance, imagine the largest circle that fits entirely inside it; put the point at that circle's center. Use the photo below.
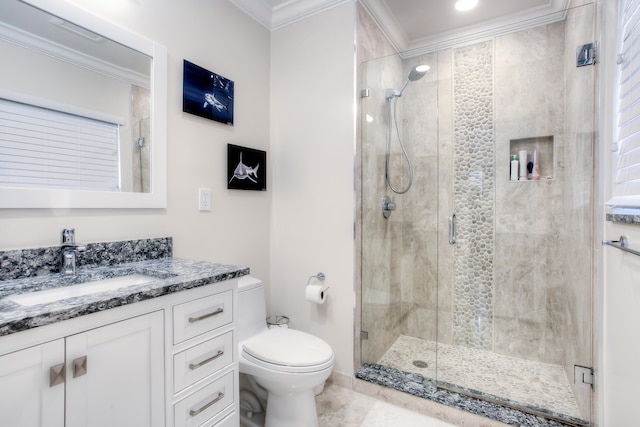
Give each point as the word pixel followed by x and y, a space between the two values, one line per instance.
pixel 68 236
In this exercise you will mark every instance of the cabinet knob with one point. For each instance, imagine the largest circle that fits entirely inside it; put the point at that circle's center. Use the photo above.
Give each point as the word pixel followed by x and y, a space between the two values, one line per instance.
pixel 57 374
pixel 79 366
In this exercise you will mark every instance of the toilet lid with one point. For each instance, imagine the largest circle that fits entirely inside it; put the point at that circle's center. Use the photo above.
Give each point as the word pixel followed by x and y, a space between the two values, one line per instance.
pixel 289 350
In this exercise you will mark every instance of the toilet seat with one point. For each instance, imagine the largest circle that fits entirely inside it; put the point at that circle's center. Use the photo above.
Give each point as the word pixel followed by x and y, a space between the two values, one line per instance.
pixel 288 350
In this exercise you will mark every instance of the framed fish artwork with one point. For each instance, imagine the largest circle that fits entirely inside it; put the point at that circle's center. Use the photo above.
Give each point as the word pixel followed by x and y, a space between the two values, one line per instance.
pixel 246 168
pixel 207 94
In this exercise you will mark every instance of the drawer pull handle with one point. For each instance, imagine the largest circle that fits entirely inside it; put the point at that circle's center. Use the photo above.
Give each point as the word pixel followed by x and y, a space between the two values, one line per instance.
pixel 195 412
pixel 194 366
pixel 205 316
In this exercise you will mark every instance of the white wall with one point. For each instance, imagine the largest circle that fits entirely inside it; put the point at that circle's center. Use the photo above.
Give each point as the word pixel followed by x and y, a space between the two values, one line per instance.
pixel 618 313
pixel 621 371
pixel 312 138
pixel 218 36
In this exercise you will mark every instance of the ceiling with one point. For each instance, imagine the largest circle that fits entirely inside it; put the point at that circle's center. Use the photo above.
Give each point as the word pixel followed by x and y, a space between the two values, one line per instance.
pixel 417 26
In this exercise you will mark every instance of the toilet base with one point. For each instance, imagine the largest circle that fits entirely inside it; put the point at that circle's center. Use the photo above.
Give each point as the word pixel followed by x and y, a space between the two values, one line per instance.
pixel 256 420
pixel 292 410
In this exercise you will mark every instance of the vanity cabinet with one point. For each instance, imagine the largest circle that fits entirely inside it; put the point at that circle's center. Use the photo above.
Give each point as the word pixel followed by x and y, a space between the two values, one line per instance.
pixel 169 361
pixel 205 376
pixel 115 374
pixel 27 400
pixel 111 375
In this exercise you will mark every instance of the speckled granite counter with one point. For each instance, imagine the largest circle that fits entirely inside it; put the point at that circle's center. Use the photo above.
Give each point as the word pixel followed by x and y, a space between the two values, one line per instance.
pixel 168 275
pixel 624 218
pixel 151 258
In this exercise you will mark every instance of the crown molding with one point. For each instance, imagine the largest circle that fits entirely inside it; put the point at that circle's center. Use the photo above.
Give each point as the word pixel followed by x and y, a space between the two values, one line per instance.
pixel 287 13
pixel 553 11
pixel 257 9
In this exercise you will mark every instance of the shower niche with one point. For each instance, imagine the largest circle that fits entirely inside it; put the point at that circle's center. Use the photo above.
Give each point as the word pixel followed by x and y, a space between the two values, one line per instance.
pixel 544 147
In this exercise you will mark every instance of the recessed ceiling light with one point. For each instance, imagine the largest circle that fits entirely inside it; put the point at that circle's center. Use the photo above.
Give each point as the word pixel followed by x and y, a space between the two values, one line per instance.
pixel 463 5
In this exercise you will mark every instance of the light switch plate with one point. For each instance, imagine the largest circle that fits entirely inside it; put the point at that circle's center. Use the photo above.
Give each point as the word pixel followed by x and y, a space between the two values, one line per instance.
pixel 204 199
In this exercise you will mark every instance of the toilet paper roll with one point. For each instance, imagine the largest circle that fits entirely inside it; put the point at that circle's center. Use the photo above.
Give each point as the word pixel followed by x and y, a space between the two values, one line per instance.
pixel 316 293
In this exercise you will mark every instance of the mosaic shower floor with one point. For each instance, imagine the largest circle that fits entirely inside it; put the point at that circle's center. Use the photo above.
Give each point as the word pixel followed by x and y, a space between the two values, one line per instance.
pixel 535 384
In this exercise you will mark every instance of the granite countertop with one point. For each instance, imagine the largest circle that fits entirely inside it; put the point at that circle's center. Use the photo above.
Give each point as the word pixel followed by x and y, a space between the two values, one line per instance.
pixel 168 275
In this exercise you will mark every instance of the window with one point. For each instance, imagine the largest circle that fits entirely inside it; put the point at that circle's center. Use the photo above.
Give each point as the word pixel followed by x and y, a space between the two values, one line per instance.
pixel 44 148
pixel 626 191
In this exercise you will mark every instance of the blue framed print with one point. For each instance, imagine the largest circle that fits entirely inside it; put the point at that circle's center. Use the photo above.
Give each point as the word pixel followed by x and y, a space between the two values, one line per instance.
pixel 207 94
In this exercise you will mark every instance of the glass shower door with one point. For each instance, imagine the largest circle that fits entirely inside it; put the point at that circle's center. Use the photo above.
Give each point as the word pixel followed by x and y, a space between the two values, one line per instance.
pixel 504 314
pixel 520 296
pixel 399 251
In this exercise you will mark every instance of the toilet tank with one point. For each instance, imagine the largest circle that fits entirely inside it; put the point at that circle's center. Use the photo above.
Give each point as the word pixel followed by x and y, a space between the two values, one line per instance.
pixel 251 312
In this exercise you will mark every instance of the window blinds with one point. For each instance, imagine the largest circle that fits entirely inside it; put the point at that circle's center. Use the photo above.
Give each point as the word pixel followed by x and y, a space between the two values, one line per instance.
pixel 626 191
pixel 43 148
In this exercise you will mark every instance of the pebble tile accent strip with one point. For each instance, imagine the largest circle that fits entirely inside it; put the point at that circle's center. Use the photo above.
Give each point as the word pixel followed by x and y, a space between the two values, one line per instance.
pixel 474 195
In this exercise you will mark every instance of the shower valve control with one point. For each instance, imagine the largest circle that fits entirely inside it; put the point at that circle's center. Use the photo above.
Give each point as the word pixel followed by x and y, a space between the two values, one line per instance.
pixel 388 205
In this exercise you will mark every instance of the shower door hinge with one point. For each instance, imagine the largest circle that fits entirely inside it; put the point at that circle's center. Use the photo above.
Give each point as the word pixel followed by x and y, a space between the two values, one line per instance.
pixel 586 54
pixel 364 335
pixel 583 375
pixel 364 93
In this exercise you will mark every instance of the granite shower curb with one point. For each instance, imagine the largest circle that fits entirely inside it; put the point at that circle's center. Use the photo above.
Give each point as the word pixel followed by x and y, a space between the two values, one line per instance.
pixel 417 385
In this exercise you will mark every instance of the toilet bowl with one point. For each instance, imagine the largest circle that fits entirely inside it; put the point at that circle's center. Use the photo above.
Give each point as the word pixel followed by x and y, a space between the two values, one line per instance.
pixel 289 364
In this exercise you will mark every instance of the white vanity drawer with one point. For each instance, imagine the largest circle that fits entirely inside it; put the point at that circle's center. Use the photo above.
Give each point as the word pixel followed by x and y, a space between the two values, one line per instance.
pixel 202 315
pixel 202 360
pixel 231 420
pixel 199 407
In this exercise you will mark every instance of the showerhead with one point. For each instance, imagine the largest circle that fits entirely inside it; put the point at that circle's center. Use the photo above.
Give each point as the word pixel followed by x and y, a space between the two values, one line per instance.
pixel 416 73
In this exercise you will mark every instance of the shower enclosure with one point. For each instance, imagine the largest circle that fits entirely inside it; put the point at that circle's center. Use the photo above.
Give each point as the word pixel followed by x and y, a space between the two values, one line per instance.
pixel 504 314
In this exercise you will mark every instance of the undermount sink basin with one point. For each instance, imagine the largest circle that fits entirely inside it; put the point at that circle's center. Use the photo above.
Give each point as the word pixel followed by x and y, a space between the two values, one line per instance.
pixel 81 289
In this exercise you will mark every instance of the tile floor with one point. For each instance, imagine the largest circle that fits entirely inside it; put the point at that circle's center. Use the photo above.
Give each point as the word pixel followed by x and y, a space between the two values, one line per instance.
pixel 536 384
pixel 341 407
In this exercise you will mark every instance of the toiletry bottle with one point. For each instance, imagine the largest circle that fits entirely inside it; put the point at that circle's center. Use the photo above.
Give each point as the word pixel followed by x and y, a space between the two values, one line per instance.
pixel 523 164
pixel 514 168
pixel 535 174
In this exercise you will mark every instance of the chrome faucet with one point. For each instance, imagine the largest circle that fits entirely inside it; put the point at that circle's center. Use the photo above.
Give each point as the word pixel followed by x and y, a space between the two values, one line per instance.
pixel 70 250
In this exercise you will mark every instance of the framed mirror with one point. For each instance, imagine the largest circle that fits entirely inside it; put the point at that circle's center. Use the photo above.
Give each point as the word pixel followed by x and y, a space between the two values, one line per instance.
pixel 83 105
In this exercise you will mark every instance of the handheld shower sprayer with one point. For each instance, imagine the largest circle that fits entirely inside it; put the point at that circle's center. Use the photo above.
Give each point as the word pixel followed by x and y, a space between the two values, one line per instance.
pixel 416 73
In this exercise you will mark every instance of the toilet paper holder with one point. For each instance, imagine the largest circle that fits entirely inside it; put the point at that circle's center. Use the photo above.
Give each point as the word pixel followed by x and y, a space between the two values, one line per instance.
pixel 319 276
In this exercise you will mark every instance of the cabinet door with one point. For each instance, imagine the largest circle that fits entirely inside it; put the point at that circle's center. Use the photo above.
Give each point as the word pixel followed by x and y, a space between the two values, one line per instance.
pixel 26 397
pixel 116 374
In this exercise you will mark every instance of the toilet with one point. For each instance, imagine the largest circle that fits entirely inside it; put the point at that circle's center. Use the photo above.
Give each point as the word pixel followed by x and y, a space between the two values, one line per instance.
pixel 281 366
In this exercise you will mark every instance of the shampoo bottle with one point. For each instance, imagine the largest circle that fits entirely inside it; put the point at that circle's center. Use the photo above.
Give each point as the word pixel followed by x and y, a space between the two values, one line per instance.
pixel 514 168
pixel 523 165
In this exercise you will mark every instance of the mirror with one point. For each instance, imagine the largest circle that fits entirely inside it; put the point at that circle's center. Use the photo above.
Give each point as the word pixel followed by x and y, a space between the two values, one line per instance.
pixel 61 59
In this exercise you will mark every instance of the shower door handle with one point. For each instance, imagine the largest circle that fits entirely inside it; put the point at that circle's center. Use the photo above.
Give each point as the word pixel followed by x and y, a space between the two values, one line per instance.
pixel 452 228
